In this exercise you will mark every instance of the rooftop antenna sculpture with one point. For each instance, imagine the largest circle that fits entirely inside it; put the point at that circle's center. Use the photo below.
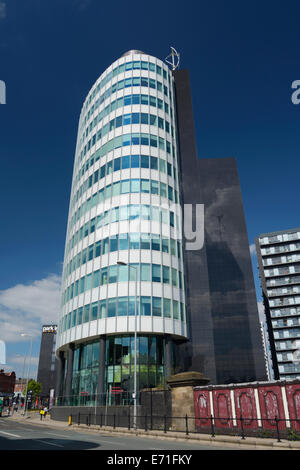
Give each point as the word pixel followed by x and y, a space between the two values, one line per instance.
pixel 174 59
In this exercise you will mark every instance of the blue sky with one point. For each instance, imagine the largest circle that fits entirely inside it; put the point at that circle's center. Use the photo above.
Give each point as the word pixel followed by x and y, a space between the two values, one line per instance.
pixel 242 57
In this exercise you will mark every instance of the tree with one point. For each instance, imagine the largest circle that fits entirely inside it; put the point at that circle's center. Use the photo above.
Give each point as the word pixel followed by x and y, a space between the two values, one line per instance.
pixel 36 388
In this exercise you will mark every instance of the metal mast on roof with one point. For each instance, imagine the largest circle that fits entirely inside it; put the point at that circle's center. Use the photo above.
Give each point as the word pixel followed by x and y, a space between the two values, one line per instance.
pixel 175 59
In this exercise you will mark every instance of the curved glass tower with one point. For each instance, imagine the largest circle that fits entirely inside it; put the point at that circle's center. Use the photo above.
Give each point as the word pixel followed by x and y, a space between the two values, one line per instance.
pixel 123 266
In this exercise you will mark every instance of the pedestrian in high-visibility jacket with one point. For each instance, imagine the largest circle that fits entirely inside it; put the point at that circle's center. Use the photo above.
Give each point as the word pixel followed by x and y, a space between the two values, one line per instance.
pixel 42 412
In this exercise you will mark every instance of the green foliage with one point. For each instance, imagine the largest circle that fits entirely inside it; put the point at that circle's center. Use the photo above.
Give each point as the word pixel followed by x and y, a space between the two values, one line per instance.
pixel 264 433
pixel 36 387
pixel 293 436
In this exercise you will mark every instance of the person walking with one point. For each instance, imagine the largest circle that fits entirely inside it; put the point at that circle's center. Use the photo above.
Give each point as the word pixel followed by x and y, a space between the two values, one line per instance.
pixel 42 412
pixel 45 411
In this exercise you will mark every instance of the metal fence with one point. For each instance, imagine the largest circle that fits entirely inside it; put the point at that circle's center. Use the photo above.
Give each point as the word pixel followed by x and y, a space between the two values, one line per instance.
pixel 265 428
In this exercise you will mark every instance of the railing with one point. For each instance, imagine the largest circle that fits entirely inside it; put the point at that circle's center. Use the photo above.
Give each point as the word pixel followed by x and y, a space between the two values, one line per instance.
pixel 277 428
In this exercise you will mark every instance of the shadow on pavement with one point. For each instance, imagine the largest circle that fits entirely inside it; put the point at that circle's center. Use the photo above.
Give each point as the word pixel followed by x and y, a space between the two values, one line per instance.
pixel 45 444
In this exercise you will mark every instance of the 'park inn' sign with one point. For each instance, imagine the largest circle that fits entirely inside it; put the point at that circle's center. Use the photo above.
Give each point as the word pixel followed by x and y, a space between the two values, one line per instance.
pixel 49 329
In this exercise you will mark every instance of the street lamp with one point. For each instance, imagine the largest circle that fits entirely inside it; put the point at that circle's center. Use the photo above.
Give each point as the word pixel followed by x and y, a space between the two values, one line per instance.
pixel 122 263
pixel 28 370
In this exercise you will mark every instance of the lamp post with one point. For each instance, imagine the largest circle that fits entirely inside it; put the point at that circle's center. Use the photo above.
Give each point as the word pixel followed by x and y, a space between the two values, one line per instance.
pixel 28 370
pixel 122 263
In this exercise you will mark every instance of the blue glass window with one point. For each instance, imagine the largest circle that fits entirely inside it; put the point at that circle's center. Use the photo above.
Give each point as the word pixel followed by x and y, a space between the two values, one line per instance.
pixel 144 118
pixel 156 274
pixel 154 163
pixel 144 161
pixel 135 99
pixel 135 161
pixel 127 100
pixel 135 118
pixel 156 306
pixel 114 243
pixel 117 164
pixel 111 308
pixel 125 162
pixel 145 306
pixel 123 241
pixel 122 306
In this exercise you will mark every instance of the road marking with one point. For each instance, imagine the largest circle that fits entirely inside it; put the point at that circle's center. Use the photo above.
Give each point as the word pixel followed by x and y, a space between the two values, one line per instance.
pixel 54 434
pixel 114 442
pixel 9 434
pixel 49 443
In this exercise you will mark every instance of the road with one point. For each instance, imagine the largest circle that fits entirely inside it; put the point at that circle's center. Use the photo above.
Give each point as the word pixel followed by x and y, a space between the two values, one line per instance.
pixel 16 435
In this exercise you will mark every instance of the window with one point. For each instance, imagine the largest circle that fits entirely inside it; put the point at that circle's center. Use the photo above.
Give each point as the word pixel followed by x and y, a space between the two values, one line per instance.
pixel 154 163
pixel 145 241
pixel 144 118
pixel 134 241
pixel 102 309
pixel 175 310
pixel 112 274
pixel 165 245
pixel 144 161
pixel 79 315
pixel 122 306
pixel 117 164
pixel 105 245
pixel 135 185
pixel 123 244
pixel 122 273
pixel 155 245
pixel 145 272
pixel 166 275
pixel 163 190
pixel 88 281
pixel 167 308
pixel 125 162
pixel 114 243
pixel 145 186
pixel 103 276
pixel 174 277
pixel 145 306
pixel 94 311
pixel 111 308
pixel 156 306
pixel 86 313
pixel 154 187
pixel 135 161
pixel 156 274
pixel 125 186
pixel 96 278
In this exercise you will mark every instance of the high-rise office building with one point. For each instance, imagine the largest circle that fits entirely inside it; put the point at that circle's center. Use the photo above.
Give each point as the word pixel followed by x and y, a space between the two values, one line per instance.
pixel 127 270
pixel 279 265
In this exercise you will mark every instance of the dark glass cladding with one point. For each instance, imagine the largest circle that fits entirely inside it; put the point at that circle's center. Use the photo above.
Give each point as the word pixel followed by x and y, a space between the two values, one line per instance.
pixel 46 374
pixel 225 339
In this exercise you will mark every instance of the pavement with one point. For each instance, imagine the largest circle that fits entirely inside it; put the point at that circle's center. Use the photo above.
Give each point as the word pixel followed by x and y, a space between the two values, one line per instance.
pixel 249 443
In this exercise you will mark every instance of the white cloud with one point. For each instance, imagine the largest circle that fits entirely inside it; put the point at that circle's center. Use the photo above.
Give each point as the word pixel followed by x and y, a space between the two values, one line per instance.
pixel 252 249
pixel 16 364
pixel 26 307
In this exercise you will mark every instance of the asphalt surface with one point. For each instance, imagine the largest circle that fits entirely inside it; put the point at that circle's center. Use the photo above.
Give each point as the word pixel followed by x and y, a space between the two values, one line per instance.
pixel 15 435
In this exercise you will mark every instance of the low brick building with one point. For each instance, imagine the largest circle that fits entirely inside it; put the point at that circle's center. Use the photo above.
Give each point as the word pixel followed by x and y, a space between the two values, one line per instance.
pixel 7 383
pixel 20 385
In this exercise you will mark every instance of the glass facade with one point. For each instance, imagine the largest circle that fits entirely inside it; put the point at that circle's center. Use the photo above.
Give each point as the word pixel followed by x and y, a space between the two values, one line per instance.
pixel 124 206
pixel 223 324
pixel 119 368
pixel 135 166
